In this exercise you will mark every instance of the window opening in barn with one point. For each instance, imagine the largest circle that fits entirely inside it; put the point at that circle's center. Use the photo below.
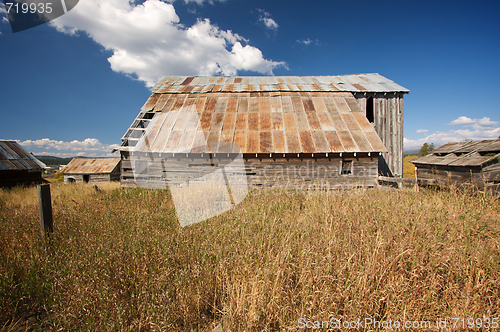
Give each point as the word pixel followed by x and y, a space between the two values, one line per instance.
pixel 346 167
pixel 86 178
pixel 369 110
pixel 71 180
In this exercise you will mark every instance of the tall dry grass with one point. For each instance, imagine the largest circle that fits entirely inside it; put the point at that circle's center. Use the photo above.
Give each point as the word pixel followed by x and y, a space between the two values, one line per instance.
pixel 118 260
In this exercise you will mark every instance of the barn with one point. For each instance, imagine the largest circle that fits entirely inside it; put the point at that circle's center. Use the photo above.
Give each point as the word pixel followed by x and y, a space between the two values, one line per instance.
pixel 300 131
pixel 18 167
pixel 92 170
pixel 462 163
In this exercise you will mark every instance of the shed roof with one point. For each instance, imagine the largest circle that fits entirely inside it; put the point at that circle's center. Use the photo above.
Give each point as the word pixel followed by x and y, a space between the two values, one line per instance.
pixel 372 82
pixel 91 166
pixel 14 157
pixel 472 153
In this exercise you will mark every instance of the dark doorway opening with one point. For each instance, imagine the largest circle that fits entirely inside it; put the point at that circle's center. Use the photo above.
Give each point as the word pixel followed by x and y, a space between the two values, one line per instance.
pixel 86 178
pixel 369 110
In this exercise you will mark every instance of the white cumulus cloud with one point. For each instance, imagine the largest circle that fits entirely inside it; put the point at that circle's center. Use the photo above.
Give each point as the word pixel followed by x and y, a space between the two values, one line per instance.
pixel 265 18
pixel 471 129
pixel 88 147
pixel 421 131
pixel 148 41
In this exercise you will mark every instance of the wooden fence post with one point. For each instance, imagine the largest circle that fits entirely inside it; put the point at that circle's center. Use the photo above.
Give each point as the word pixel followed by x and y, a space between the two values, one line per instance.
pixel 45 207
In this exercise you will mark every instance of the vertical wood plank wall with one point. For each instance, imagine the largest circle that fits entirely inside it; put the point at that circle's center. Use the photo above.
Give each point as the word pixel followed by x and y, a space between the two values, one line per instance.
pixel 388 116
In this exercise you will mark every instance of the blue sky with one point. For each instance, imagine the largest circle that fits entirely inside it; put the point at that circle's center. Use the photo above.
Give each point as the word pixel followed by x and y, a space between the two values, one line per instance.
pixel 73 86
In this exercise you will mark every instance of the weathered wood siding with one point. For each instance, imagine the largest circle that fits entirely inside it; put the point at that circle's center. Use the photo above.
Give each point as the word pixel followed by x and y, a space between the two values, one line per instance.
pixel 265 171
pixel 20 178
pixel 94 178
pixel 388 123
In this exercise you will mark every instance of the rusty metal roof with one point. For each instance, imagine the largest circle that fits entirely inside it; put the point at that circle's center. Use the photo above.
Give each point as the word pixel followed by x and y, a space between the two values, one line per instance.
pixel 352 83
pixel 472 153
pixel 14 157
pixel 91 166
pixel 257 122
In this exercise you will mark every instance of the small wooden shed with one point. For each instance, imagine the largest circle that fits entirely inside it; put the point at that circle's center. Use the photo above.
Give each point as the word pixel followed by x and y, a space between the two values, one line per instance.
pixel 18 167
pixel 290 130
pixel 462 163
pixel 92 170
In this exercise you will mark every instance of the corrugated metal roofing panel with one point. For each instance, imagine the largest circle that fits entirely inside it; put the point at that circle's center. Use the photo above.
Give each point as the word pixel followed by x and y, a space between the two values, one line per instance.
pixel 14 156
pixel 286 122
pixel 91 166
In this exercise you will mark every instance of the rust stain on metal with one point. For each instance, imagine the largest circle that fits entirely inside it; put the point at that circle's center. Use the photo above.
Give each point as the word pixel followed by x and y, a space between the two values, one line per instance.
pixel 353 104
pixel 361 141
pixel 362 121
pixel 221 105
pixel 292 142
pixel 297 105
pixel 227 135
pixel 254 104
pixel 302 123
pixel 242 121
pixel 243 104
pixel 290 122
pixel 306 142
pixel 217 121
pixel 240 139
pixel 279 141
pixel 229 121
pixel 161 102
pixel 349 120
pixel 253 142
pixel 238 80
pixel 324 120
pixel 359 87
pixel 319 105
pixel 338 121
pixel 330 104
pixel 266 142
pixel 169 103
pixel 205 121
pixel 308 105
pixel 313 121
pixel 286 103
pixel 342 106
pixel 178 103
pixel 200 103
pixel 264 105
pixel 151 102
pixel 265 121
pixel 276 104
pixel 375 141
pixel 210 104
pixel 334 141
pixel 320 141
pixel 253 121
pixel 213 140
pixel 277 121
pixel 347 141
pixel 232 104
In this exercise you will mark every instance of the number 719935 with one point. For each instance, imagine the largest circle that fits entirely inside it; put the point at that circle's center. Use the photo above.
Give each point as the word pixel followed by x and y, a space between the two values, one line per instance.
pixel 29 7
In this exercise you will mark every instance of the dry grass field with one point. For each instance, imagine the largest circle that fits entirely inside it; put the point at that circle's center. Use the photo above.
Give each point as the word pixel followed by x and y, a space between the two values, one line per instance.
pixel 118 260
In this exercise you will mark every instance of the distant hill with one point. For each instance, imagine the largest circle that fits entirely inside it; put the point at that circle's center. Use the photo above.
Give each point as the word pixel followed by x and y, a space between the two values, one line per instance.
pixel 51 160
